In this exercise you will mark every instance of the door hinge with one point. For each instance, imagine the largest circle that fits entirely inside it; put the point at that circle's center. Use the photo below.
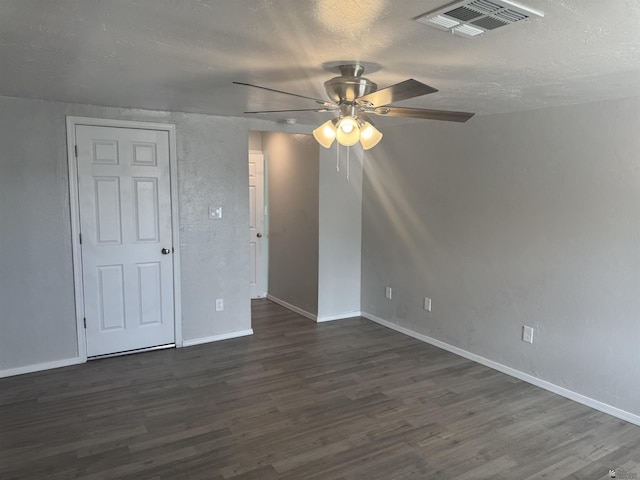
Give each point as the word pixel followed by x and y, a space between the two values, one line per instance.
pixel 80 239
pixel 76 150
pixel 84 320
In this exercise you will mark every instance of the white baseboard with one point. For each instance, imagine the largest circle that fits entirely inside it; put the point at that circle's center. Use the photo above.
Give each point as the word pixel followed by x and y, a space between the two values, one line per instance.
pixel 217 338
pixel 340 316
pixel 10 372
pixel 538 382
pixel 293 308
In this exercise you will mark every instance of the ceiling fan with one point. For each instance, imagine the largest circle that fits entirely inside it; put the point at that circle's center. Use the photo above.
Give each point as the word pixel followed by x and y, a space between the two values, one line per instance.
pixel 354 98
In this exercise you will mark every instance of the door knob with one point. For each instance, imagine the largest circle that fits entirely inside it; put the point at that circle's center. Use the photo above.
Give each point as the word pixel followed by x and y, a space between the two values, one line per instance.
pixel 259 235
pixel 165 251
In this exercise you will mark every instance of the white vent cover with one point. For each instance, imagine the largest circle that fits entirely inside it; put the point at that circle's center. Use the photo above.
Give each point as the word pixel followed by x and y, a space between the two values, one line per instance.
pixel 475 17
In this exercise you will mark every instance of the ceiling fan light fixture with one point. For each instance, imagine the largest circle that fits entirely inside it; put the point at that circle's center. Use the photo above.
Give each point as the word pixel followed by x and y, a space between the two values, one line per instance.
pixel 348 131
pixel 354 97
pixel 347 124
pixel 369 136
pixel 325 134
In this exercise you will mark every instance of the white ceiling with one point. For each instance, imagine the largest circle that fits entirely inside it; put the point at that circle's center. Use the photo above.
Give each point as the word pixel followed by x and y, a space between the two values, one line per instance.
pixel 182 55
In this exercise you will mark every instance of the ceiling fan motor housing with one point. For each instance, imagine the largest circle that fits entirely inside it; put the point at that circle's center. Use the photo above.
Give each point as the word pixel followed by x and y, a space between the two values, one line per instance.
pixel 349 85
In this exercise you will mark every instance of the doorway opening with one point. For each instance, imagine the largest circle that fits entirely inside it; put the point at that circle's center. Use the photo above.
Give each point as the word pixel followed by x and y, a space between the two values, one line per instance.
pixel 289 242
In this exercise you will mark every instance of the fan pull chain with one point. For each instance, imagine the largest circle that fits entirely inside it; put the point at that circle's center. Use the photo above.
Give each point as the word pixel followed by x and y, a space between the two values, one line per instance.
pixel 348 148
pixel 337 157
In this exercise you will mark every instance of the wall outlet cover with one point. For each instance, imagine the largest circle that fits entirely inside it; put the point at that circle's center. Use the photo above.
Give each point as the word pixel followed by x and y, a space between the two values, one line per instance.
pixel 219 304
pixel 527 334
pixel 427 304
pixel 388 292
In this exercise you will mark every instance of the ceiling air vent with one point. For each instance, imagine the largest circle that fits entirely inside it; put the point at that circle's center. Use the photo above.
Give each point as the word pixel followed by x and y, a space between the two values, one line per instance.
pixel 470 18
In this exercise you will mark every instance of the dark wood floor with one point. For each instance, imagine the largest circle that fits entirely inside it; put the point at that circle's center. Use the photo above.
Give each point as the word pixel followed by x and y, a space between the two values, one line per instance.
pixel 297 400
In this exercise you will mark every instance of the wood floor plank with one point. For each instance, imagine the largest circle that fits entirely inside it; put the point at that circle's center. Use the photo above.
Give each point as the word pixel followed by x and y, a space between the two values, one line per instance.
pixel 298 400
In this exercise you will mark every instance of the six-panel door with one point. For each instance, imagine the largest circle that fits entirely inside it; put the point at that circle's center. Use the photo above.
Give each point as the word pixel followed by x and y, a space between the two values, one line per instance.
pixel 125 222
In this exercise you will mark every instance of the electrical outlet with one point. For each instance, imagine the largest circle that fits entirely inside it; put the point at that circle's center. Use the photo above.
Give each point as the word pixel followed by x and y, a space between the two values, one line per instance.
pixel 219 304
pixel 427 304
pixel 388 292
pixel 527 334
pixel 215 212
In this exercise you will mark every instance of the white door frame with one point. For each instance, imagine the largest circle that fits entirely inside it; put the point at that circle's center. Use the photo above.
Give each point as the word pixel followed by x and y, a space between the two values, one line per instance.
pixel 72 122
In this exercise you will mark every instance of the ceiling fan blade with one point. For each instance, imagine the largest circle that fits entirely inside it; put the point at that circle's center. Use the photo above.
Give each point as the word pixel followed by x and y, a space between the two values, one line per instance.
pixel 321 102
pixel 445 115
pixel 400 91
pixel 318 110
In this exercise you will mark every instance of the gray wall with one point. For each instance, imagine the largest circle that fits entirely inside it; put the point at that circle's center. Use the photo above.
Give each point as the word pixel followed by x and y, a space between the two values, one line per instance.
pixel 37 317
pixel 293 179
pixel 255 141
pixel 37 309
pixel 340 235
pixel 510 220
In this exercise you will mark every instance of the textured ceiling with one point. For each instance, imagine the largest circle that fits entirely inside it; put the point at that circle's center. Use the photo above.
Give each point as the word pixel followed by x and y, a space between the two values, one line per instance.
pixel 182 55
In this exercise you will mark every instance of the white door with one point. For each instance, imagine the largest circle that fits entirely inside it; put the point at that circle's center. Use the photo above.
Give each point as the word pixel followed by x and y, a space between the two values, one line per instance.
pixel 256 224
pixel 125 225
